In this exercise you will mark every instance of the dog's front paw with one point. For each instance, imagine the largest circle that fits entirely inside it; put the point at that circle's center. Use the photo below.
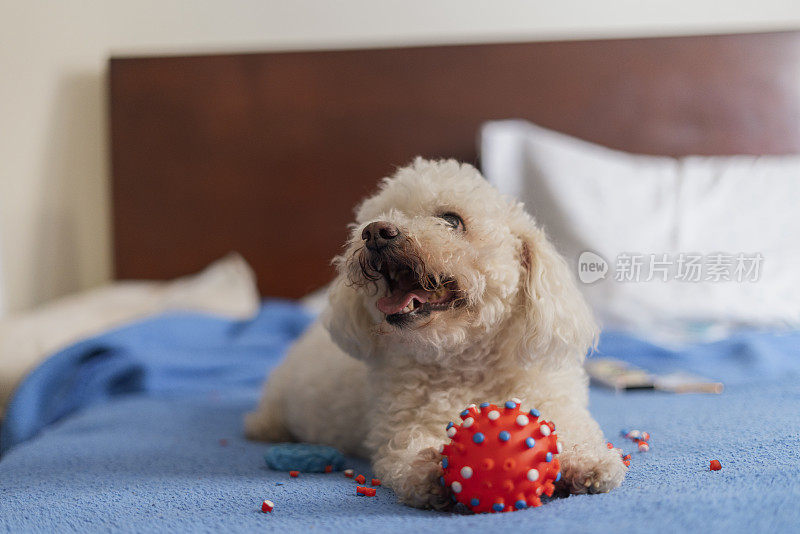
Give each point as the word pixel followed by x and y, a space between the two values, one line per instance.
pixel 417 484
pixel 586 470
pixel 429 461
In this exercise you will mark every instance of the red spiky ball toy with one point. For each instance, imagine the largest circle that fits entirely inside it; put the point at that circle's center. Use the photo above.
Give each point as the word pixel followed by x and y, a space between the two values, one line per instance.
pixel 500 459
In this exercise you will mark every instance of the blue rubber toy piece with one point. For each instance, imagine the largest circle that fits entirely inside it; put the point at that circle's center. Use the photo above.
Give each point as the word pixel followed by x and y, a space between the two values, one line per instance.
pixel 303 457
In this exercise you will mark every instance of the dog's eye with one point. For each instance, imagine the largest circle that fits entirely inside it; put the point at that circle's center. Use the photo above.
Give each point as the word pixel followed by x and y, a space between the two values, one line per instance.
pixel 453 219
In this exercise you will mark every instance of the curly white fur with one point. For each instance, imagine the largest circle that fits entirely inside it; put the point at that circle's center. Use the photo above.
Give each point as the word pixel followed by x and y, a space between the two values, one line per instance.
pixel 356 382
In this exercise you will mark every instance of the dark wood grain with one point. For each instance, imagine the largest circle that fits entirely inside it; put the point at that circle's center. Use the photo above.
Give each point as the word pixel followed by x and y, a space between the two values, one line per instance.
pixel 268 153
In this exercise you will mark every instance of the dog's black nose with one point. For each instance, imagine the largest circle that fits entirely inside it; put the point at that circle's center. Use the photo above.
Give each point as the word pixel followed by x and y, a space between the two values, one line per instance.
pixel 379 234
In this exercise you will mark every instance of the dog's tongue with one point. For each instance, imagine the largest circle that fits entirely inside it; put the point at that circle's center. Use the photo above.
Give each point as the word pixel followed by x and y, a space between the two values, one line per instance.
pixel 399 299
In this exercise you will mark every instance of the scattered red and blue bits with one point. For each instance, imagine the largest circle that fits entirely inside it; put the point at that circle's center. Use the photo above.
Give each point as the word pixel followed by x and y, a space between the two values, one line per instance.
pixel 365 491
pixel 625 459
pixel 642 439
pixel 715 465
pixel 500 459
pixel 268 506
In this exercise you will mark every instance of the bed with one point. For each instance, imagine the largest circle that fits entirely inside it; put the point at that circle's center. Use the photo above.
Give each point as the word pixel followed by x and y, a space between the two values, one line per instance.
pixel 139 428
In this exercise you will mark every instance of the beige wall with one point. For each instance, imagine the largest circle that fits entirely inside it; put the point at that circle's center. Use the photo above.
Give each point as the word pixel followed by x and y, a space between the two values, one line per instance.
pixel 54 210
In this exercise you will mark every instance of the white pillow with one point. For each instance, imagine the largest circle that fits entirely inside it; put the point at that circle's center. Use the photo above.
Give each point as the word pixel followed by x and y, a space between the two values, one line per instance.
pixel 625 207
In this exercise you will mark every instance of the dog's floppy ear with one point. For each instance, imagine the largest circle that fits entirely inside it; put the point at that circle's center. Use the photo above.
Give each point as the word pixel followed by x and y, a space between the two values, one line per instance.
pixel 347 320
pixel 557 322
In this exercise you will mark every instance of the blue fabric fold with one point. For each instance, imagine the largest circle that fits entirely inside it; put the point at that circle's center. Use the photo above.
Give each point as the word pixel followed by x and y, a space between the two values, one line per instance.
pixel 167 355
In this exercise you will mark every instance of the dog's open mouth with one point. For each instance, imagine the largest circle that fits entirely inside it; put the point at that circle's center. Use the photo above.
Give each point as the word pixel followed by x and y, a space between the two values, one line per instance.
pixel 409 298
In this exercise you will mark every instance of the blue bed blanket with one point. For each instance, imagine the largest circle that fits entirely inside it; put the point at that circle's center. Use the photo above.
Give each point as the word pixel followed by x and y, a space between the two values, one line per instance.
pixel 140 430
pixel 174 354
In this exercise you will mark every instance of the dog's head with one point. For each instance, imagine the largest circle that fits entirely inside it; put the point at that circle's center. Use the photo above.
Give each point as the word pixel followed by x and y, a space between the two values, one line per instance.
pixel 439 264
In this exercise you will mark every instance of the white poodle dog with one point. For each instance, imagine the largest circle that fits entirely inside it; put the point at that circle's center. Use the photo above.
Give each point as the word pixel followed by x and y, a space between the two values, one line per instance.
pixel 448 294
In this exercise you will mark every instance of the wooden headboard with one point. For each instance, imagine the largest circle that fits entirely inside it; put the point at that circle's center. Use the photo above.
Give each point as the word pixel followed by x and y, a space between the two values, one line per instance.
pixel 268 153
